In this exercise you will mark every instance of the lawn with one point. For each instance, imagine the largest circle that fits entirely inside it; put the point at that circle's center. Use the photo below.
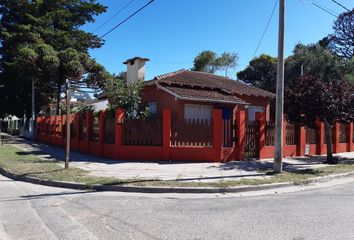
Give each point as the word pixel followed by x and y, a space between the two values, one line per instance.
pixel 22 163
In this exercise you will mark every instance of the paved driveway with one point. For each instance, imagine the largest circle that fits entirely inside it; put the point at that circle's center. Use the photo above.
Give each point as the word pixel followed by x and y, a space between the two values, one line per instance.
pixel 169 171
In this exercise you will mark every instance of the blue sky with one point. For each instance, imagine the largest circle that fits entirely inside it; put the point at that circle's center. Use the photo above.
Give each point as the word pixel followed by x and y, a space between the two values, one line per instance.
pixel 172 32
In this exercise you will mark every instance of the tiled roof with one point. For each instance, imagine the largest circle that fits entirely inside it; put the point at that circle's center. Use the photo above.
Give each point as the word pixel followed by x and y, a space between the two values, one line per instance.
pixel 189 78
pixel 202 95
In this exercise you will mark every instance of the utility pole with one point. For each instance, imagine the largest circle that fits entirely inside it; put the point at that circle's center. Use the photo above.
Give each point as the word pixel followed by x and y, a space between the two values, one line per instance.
pixel 68 137
pixel 278 151
pixel 33 111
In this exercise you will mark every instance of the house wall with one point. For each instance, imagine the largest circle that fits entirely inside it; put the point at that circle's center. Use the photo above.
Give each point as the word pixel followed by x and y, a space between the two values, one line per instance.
pixel 257 101
pixel 165 100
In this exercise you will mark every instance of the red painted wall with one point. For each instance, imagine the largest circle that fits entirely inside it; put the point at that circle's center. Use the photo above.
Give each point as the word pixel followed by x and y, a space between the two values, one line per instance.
pixel 216 153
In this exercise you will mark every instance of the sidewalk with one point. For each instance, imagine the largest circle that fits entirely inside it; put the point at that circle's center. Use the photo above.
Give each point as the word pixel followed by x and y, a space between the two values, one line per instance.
pixel 203 172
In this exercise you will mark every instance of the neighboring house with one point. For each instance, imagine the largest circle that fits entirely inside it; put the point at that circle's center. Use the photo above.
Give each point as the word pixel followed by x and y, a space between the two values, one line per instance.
pixel 193 95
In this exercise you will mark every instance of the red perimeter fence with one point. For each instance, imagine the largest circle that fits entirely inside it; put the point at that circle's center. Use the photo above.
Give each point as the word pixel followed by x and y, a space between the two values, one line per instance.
pixel 164 138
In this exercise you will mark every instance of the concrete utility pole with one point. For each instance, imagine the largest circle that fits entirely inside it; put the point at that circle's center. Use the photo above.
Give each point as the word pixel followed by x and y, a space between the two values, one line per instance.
pixel 33 111
pixel 278 151
pixel 68 137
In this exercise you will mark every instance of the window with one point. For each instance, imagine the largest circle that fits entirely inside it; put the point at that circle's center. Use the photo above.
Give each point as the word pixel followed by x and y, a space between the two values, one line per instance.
pixel 152 106
pixel 252 112
pixel 194 111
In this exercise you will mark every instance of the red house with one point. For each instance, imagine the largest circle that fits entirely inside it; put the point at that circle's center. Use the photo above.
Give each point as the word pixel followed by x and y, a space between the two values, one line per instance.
pixel 193 95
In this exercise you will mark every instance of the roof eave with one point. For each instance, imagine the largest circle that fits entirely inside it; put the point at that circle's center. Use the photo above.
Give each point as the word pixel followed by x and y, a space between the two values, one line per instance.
pixel 198 99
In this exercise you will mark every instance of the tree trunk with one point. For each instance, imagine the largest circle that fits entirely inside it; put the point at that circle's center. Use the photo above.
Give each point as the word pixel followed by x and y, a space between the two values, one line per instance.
pixel 328 136
pixel 57 112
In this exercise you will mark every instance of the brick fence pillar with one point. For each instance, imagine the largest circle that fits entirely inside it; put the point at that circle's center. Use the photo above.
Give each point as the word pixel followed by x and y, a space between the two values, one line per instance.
pixel 240 133
pixel 302 140
pixel 78 129
pixel 321 136
pixel 350 137
pixel 89 122
pixel 284 133
pixel 166 134
pixel 335 138
pixel 120 115
pixel 101 127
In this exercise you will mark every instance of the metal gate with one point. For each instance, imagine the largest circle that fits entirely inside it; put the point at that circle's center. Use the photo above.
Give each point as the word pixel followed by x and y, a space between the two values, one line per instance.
pixel 252 139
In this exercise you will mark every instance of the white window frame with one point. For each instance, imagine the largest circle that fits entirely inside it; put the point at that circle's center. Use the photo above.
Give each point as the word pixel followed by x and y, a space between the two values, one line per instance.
pixel 251 112
pixel 198 111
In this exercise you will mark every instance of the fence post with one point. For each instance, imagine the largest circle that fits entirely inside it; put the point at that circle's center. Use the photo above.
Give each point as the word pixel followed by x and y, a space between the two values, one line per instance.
pixel 63 130
pixel 58 135
pixel 321 136
pixel 336 137
pixel 120 114
pixel 285 123
pixel 102 127
pixel 261 117
pixel 78 129
pixel 53 130
pixel 302 140
pixel 166 130
pixel 38 125
pixel 350 137
pixel 89 122
pixel 217 134
pixel 240 134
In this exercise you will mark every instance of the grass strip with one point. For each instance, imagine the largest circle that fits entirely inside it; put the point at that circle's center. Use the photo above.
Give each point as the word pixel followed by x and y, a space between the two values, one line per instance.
pixel 24 163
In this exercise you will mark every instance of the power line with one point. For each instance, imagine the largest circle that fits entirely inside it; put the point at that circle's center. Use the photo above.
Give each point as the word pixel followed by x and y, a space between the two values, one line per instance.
pixel 340 5
pixel 325 9
pixel 119 11
pixel 137 11
pixel 266 28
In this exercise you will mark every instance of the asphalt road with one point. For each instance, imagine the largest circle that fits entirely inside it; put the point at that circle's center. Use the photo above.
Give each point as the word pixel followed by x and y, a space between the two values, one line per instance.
pixel 36 212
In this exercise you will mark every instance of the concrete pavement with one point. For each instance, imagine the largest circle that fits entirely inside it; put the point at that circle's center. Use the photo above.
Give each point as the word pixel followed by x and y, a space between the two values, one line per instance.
pixel 169 171
pixel 30 211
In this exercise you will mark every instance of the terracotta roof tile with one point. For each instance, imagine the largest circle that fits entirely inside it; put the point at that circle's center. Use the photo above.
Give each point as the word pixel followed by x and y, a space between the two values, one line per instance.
pixel 211 81
pixel 204 95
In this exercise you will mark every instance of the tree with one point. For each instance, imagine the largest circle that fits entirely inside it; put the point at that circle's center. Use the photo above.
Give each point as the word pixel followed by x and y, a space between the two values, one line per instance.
pixel 30 24
pixel 205 62
pixel 342 41
pixel 260 72
pixel 227 61
pixel 310 98
pixel 316 60
pixel 127 97
pixel 208 61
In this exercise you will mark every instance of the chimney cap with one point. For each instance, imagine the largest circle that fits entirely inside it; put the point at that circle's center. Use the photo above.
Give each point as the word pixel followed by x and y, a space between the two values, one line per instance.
pixel 132 60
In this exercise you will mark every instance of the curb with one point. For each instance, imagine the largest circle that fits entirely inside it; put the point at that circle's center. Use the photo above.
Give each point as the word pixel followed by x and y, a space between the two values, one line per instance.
pixel 136 189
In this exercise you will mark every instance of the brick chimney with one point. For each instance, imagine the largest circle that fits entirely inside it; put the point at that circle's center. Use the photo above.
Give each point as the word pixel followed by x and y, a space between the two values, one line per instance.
pixel 135 69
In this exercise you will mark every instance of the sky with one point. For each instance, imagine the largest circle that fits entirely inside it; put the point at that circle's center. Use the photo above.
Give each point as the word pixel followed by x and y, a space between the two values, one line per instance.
pixel 172 32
